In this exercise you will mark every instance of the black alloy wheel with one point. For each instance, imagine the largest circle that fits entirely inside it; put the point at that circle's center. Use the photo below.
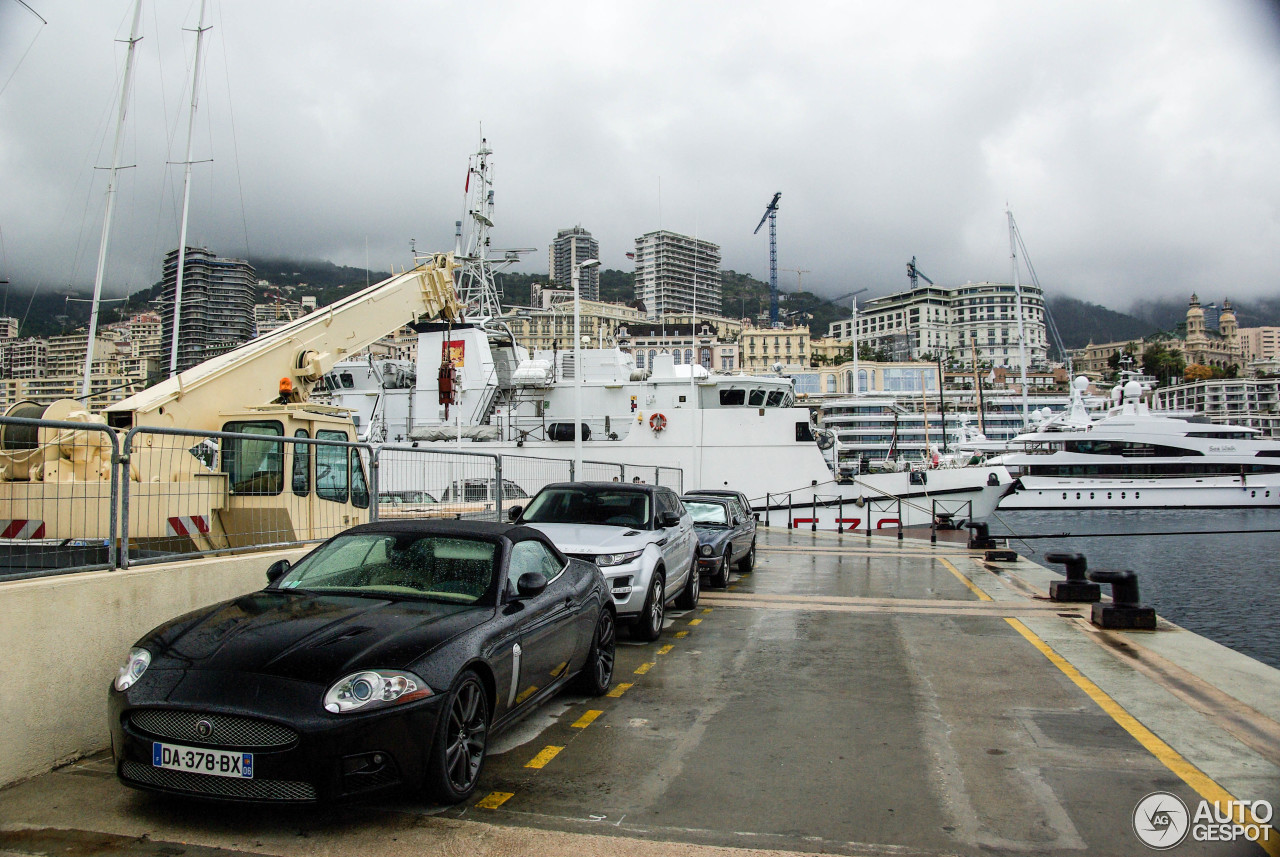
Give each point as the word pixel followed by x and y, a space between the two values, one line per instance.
pixel 458 752
pixel 688 598
pixel 649 628
pixel 748 562
pixel 721 576
pixel 597 675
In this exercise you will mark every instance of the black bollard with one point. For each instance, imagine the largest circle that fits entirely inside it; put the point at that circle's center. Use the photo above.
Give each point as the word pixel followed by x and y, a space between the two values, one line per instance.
pixel 1125 612
pixel 980 536
pixel 1075 588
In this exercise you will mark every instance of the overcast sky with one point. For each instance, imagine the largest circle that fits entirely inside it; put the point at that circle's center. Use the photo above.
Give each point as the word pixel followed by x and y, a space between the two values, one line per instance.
pixel 1136 143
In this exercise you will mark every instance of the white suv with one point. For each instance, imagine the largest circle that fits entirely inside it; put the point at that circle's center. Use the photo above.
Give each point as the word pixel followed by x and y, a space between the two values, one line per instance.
pixel 640 536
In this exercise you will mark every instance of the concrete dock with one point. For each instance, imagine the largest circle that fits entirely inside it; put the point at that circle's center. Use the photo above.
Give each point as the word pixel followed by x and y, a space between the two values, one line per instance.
pixel 853 695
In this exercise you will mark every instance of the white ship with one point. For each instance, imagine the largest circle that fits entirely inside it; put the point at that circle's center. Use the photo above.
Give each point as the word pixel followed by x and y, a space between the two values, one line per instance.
pixel 1135 459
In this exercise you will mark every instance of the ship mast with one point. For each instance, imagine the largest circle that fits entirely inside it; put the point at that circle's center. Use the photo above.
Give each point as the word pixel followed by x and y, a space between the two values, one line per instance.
pixel 111 202
pixel 477 290
pixel 1017 298
pixel 186 196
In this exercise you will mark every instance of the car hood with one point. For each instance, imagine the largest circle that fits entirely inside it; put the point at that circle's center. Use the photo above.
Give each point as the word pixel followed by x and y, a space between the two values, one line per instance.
pixel 714 536
pixel 596 538
pixel 308 637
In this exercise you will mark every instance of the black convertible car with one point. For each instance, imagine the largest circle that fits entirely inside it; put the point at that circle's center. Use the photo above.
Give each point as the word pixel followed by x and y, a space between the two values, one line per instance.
pixel 388 655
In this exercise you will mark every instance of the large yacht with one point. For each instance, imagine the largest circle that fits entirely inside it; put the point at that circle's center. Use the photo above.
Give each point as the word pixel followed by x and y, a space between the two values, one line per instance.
pixel 1134 459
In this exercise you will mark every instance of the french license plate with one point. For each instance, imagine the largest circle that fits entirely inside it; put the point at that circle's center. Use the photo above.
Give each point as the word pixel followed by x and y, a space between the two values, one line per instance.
pixel 219 763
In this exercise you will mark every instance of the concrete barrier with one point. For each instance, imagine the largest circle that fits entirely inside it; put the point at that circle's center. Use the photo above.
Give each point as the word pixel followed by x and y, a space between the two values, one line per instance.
pixel 62 640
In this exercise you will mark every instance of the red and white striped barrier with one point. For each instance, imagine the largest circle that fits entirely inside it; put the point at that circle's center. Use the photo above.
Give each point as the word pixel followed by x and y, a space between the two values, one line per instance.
pixel 22 528
pixel 187 525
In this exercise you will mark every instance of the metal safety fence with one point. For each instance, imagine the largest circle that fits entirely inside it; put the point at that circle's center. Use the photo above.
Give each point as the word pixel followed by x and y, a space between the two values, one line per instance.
pixel 79 496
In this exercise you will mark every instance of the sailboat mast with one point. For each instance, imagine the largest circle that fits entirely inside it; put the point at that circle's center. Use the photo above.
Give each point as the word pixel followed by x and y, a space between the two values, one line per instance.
pixel 111 202
pixel 1017 299
pixel 186 196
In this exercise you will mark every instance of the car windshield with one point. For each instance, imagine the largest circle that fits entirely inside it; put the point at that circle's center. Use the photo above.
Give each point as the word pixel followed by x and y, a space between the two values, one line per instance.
pixel 381 565
pixel 706 512
pixel 589 506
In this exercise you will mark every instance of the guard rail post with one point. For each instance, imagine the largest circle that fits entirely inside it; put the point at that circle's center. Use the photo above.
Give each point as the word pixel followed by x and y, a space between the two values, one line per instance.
pixel 899 508
pixel 497 481
pixel 789 504
pixel 813 525
pixel 125 459
pixel 933 521
pixel 871 510
pixel 766 508
pixel 840 515
pixel 374 494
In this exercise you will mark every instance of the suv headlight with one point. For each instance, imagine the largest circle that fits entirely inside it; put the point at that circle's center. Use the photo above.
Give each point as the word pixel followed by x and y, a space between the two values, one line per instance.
pixel 134 667
pixel 371 689
pixel 608 559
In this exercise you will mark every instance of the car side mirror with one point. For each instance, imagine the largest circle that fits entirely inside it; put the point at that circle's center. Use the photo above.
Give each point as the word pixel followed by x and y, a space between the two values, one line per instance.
pixel 513 512
pixel 277 570
pixel 668 519
pixel 530 584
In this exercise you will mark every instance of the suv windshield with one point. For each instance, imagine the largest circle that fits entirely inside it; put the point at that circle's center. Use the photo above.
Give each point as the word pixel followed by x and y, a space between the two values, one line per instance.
pixel 707 512
pixel 581 505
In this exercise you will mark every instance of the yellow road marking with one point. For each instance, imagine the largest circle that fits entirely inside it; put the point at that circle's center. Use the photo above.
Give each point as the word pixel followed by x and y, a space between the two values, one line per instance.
pixel 493 800
pixel 587 719
pixel 682 633
pixel 1199 781
pixel 644 668
pixel 665 649
pixel 733 587
pixel 540 760
pixel 619 689
pixel 706 610
pixel 966 581
pixel 695 621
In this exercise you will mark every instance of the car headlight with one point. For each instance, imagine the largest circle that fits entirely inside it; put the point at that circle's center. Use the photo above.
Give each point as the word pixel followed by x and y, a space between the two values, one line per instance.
pixel 706 550
pixel 606 559
pixel 139 660
pixel 370 689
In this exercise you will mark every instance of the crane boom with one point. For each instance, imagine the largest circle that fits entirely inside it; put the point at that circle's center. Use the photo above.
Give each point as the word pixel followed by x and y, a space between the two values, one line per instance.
pixel 295 356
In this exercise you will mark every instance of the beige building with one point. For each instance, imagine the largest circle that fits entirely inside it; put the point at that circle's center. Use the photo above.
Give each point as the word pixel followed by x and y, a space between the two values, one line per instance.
pixel 1259 343
pixel 829 351
pixel 24 358
pixel 686 345
pixel 1206 348
pixel 764 347
pixel 552 328
pixel 8 328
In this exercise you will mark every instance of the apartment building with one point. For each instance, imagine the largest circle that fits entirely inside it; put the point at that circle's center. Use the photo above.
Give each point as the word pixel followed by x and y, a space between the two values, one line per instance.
pixel 676 274
pixel 572 247
pixel 217 305
pixel 685 342
pixel 764 348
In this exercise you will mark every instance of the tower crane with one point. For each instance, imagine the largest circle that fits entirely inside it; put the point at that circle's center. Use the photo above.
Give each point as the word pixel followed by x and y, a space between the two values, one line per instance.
pixel 771 215
pixel 799 272
pixel 913 273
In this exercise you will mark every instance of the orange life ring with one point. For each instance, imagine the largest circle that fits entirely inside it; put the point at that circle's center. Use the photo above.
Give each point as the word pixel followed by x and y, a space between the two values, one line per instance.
pixel 657 422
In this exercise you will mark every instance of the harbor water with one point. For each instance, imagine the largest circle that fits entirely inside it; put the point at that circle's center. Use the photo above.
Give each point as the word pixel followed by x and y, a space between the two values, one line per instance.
pixel 1219 583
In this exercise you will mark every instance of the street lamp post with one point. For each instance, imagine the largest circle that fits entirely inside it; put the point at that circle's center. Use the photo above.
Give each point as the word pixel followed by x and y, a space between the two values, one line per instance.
pixel 577 368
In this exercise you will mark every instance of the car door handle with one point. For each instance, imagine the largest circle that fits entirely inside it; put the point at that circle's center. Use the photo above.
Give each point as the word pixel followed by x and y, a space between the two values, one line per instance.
pixel 568 601
pixel 660 542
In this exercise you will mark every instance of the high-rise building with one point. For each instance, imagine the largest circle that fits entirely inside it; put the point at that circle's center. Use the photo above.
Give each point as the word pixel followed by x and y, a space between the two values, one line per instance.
pixel 572 247
pixel 217 305
pixel 677 274
pixel 8 328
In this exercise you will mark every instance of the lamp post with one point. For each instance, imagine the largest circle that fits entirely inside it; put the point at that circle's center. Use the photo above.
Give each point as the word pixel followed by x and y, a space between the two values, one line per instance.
pixel 577 368
pixel 853 333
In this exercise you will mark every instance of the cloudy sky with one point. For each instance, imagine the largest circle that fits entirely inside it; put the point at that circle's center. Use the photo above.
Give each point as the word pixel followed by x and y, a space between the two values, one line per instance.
pixel 1136 143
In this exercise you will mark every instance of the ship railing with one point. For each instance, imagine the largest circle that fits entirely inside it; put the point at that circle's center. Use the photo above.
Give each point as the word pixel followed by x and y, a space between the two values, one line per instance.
pixel 59 492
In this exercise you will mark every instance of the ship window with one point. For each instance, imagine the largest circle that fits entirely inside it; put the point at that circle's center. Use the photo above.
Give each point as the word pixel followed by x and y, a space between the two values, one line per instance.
pixel 756 399
pixel 803 433
pixel 347 381
pixel 254 467
pixel 733 397
pixel 331 468
pixel 301 465
pixel 775 399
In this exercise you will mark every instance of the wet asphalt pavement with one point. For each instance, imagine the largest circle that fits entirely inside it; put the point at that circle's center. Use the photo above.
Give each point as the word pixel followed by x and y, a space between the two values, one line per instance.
pixel 850 697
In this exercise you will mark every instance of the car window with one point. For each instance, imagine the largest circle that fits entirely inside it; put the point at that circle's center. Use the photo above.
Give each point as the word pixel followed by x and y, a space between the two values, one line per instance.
pixel 588 506
pixel 707 512
pixel 531 556
pixel 381 565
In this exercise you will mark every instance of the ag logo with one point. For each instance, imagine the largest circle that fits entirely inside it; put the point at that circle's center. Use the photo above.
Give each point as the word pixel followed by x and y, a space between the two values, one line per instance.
pixel 1161 820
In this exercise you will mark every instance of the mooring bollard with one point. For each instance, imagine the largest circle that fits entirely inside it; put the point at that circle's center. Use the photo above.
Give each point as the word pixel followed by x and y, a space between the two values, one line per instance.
pixel 980 536
pixel 1075 588
pixel 1125 612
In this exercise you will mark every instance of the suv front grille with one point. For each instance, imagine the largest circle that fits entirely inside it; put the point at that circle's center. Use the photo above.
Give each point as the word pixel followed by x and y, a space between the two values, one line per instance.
pixel 226 730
